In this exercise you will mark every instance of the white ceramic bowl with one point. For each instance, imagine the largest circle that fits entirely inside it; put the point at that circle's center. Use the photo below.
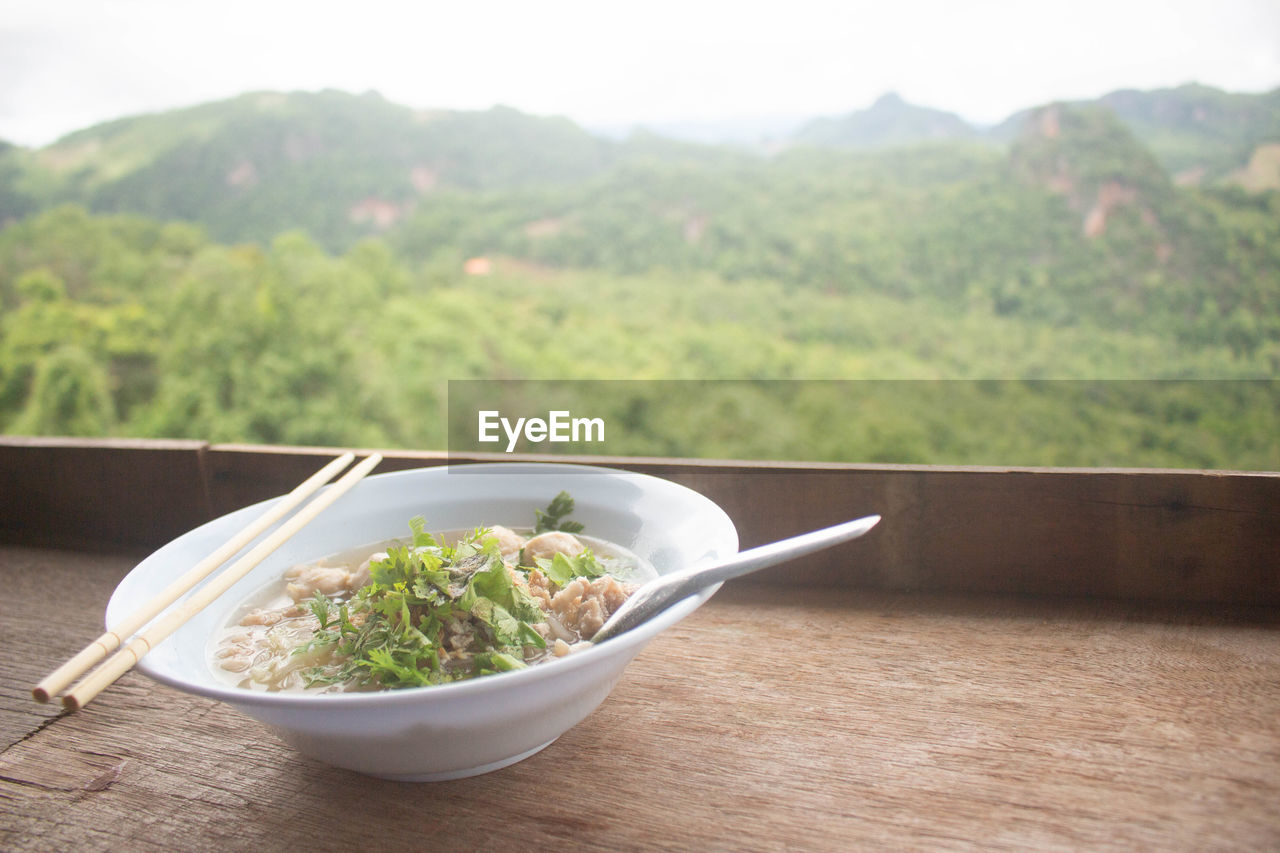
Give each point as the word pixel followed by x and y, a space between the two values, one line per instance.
pixel 468 727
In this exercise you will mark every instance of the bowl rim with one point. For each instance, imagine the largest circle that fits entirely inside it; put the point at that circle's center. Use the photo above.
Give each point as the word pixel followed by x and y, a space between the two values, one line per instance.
pixel 629 642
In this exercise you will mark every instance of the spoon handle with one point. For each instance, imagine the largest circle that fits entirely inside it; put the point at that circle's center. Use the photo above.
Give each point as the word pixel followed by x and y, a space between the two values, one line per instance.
pixel 664 591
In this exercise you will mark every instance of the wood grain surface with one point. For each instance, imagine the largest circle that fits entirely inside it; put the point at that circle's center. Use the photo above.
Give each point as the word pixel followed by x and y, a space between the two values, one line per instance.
pixel 771 719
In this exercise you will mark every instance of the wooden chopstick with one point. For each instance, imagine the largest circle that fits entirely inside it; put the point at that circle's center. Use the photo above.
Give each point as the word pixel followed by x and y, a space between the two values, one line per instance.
pixel 125 659
pixel 111 640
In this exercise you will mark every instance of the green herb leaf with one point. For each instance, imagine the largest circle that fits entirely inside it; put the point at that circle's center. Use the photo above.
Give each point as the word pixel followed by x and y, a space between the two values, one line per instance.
pixel 392 672
pixel 562 568
pixel 553 517
pixel 492 662
pixel 422 538
pixel 319 605
pixel 392 632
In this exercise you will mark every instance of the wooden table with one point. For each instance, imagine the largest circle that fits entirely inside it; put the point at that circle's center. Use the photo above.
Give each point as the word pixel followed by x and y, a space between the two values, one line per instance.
pixel 791 713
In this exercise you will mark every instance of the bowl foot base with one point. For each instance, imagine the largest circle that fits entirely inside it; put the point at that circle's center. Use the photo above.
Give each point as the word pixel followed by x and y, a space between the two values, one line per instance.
pixel 464 773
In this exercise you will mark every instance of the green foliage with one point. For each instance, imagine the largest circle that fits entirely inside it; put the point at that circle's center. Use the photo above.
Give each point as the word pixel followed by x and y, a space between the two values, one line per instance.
pixel 562 568
pixel 16 196
pixel 555 516
pixel 960 225
pixel 1086 147
pixel 328 162
pixel 1199 129
pixel 344 166
pixel 272 345
pixel 69 396
pixel 641 260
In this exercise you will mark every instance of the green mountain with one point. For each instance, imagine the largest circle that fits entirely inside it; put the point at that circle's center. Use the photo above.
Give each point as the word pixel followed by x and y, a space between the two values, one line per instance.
pixel 889 122
pixel 335 164
pixel 1199 134
pixel 1074 224
pixel 16 197
pixel 1086 154
pixel 343 166
pixel 1067 251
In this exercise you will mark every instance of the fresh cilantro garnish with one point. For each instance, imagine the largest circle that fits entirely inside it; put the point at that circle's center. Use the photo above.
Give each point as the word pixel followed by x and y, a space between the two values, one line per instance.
pixel 553 517
pixel 421 538
pixel 320 606
pixel 562 568
pixel 431 614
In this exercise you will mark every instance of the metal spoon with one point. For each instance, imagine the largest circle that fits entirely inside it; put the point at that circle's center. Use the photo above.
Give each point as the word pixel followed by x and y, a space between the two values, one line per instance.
pixel 662 592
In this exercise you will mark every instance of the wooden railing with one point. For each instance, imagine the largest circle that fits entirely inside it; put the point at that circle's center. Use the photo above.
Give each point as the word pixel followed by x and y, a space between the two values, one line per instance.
pixel 1160 535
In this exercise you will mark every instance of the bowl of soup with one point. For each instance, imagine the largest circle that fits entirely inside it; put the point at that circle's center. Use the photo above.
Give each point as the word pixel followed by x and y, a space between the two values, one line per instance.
pixel 435 623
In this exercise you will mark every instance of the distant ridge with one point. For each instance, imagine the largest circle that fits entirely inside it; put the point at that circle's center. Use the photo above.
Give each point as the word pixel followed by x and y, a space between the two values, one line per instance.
pixel 342 166
pixel 888 122
pixel 1198 133
pixel 327 161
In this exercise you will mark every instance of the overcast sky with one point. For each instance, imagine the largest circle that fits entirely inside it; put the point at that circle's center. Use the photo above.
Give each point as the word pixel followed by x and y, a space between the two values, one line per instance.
pixel 66 64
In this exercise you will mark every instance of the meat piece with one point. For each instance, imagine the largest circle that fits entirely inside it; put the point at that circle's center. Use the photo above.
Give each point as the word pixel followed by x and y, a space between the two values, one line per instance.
pixel 262 617
pixel 612 593
pixel 360 578
pixel 312 579
pixel 541 588
pixel 459 634
pixel 591 617
pixel 546 545
pixel 584 606
pixel 509 542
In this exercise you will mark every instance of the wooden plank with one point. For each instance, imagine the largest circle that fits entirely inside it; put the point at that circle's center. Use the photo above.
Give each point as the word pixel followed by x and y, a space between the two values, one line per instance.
pixel 108 495
pixel 1133 534
pixel 772 718
pixel 54 603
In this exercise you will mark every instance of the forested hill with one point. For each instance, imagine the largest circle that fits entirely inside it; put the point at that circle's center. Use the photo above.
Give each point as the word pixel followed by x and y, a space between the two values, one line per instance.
pixel 336 164
pixel 888 122
pixel 311 268
pixel 343 166
pixel 1073 219
pixel 1199 134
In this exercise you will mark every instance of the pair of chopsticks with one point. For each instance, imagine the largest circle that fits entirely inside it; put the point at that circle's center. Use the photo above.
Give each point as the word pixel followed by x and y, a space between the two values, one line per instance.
pixel 125 659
